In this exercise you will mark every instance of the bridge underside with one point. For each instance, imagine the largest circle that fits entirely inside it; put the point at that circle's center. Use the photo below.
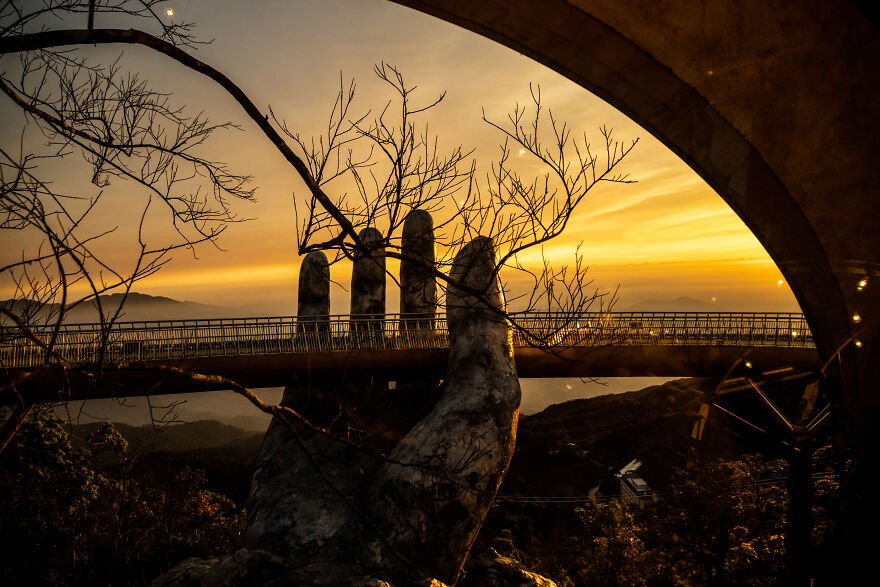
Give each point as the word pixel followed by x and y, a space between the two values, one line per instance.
pixel 277 370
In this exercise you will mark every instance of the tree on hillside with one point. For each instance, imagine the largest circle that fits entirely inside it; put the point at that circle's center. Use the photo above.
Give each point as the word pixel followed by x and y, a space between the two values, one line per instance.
pixel 128 133
pixel 83 512
pixel 722 523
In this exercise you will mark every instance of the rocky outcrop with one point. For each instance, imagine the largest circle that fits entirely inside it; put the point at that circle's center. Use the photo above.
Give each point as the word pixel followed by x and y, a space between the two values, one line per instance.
pixel 258 568
pixel 241 568
pixel 494 570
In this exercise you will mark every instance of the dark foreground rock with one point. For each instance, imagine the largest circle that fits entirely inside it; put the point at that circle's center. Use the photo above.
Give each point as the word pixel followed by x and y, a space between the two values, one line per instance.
pixel 243 568
pixel 494 570
pixel 258 568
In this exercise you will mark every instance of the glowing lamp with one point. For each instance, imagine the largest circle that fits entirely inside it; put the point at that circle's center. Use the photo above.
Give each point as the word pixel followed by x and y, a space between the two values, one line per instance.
pixel 857 318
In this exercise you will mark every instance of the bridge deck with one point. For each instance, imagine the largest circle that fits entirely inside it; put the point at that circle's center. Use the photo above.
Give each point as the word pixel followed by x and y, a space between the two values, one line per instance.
pixel 269 352
pixel 230 337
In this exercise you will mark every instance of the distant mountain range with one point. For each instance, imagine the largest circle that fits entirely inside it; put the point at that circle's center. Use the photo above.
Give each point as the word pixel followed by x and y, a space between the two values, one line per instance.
pixel 200 435
pixel 679 304
pixel 137 307
pixel 581 443
pixel 564 450
pixel 722 304
pixel 140 307
pixel 227 454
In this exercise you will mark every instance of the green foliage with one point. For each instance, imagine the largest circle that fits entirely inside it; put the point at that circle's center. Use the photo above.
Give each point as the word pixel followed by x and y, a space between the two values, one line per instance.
pixel 84 514
pixel 615 554
pixel 596 544
pixel 721 522
pixel 825 492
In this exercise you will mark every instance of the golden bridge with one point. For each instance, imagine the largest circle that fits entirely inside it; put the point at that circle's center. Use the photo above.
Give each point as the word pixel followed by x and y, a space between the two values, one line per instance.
pixel 276 351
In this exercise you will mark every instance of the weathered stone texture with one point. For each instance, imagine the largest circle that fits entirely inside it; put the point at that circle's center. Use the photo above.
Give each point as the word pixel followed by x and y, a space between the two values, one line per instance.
pixel 447 452
pixel 313 298
pixel 368 277
pixel 257 568
pixel 292 510
pixel 432 507
pixel 241 568
pixel 418 286
pixel 494 570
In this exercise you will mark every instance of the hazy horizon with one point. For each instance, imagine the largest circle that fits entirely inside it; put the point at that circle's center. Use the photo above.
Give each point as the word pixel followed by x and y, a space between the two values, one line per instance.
pixel 667 235
pixel 231 408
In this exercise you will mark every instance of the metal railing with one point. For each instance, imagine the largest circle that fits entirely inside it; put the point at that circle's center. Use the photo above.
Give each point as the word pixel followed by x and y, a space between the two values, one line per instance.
pixel 177 339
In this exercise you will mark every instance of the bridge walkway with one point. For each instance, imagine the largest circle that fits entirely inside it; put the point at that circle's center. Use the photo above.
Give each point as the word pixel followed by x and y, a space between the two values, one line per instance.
pixel 229 337
pixel 277 351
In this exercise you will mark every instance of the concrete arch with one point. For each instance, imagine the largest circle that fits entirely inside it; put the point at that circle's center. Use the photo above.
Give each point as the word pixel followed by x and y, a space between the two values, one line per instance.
pixel 774 104
pixel 795 161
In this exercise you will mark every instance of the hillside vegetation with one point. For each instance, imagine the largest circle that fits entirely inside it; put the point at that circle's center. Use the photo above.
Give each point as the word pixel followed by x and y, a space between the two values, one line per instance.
pixel 116 505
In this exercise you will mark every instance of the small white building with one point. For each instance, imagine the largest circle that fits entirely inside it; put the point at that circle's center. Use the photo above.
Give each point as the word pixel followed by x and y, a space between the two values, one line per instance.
pixel 634 491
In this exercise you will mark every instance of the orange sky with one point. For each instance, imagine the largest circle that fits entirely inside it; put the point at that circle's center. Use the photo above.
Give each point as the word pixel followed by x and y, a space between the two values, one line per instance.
pixel 668 235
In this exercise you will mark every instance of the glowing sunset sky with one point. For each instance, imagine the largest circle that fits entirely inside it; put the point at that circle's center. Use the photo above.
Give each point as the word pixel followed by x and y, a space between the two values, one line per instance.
pixel 666 236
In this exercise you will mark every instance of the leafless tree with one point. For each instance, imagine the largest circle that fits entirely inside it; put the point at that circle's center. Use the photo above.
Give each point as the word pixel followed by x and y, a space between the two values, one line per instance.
pixel 368 169
pixel 126 131
pixel 393 165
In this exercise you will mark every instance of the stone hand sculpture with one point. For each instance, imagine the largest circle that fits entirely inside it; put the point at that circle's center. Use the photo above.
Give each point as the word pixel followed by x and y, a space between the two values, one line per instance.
pixel 347 515
pixel 431 506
